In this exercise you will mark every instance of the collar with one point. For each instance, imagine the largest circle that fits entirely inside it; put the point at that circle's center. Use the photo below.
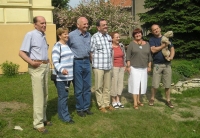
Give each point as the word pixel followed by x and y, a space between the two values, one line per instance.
pixel 79 33
pixel 42 34
pixel 103 35
pixel 108 37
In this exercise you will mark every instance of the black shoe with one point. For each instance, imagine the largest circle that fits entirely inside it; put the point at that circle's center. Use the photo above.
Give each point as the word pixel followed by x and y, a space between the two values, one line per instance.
pixel 71 121
pixel 88 112
pixel 81 113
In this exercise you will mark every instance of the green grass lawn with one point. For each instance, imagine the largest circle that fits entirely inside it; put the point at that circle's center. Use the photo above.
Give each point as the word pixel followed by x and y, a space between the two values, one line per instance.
pixel 158 121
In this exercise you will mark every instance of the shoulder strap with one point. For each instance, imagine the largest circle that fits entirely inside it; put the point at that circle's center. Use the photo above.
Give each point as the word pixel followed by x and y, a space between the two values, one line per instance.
pixel 60 54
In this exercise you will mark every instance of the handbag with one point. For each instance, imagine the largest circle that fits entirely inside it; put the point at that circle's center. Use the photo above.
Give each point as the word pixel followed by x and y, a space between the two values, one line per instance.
pixel 54 76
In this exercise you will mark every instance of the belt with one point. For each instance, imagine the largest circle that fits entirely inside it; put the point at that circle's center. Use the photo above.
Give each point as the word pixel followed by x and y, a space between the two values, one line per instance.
pixel 81 58
pixel 42 61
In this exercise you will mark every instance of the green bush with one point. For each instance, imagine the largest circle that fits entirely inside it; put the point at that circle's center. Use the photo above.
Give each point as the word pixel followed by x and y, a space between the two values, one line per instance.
pixel 9 68
pixel 185 68
pixel 93 30
pixel 196 63
pixel 126 41
pixel 176 76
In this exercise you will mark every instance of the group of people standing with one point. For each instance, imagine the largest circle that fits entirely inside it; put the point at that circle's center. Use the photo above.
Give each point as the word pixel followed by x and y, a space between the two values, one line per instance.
pixel 72 57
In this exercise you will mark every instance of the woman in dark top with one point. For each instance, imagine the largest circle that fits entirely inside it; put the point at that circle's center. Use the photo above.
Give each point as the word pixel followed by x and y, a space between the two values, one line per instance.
pixel 138 64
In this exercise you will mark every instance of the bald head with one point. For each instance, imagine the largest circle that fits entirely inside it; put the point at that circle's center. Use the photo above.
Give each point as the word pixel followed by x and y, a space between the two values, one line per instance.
pixel 155 30
pixel 36 18
pixel 82 24
pixel 40 23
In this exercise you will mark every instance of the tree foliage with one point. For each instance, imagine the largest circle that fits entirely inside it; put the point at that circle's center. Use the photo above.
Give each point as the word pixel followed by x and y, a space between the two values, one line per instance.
pixel 60 3
pixel 180 16
pixel 118 19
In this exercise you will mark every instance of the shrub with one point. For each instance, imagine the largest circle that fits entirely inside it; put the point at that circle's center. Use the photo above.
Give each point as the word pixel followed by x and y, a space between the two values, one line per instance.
pixel 93 30
pixel 185 68
pixel 126 41
pixel 176 76
pixel 9 68
pixel 196 63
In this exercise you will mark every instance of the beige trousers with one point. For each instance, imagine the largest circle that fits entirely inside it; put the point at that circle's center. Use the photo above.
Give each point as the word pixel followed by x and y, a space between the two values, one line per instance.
pixel 39 78
pixel 102 86
pixel 117 81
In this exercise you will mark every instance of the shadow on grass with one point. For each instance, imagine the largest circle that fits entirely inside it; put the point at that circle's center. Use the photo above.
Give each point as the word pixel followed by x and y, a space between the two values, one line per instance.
pixel 125 94
pixel 51 108
pixel 129 99
pixel 159 96
pixel 53 103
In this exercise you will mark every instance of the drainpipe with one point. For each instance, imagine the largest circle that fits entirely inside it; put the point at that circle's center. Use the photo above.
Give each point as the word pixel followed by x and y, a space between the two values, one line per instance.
pixel 133 14
pixel 133 9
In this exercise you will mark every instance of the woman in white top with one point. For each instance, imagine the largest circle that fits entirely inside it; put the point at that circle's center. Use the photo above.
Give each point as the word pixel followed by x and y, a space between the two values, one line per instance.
pixel 63 58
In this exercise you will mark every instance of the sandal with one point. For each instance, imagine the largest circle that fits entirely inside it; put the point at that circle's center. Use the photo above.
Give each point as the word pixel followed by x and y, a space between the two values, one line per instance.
pixel 48 123
pixel 169 104
pixel 115 106
pixel 140 104
pixel 42 130
pixel 151 102
pixel 135 107
pixel 120 105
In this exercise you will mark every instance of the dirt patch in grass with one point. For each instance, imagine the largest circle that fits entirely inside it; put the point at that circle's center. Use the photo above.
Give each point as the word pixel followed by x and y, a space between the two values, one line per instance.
pixel 176 114
pixel 11 106
pixel 194 110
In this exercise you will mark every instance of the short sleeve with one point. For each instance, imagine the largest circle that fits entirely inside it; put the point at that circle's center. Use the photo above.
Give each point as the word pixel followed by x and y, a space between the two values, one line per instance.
pixel 26 44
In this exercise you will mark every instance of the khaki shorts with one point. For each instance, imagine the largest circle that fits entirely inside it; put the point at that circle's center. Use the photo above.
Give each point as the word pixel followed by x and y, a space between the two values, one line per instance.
pixel 163 71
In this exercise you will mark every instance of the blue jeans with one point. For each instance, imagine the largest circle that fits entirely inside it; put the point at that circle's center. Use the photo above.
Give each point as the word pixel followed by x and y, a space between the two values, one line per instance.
pixel 82 84
pixel 62 101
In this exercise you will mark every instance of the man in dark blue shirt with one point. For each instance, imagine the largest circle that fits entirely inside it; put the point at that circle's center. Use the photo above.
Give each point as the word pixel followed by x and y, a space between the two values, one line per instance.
pixel 162 67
